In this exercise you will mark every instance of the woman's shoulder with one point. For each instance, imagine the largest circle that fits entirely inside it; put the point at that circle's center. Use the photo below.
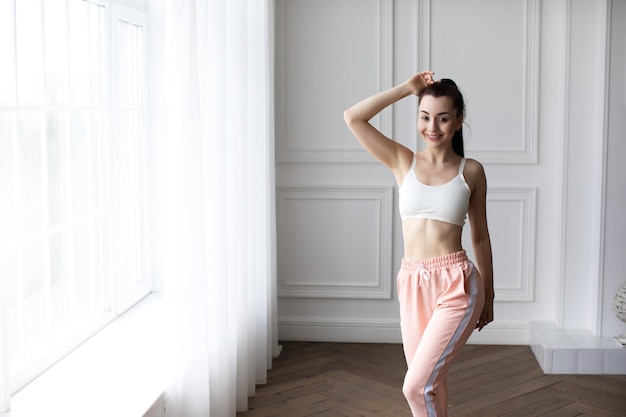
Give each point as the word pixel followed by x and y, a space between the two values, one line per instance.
pixel 474 174
pixel 473 167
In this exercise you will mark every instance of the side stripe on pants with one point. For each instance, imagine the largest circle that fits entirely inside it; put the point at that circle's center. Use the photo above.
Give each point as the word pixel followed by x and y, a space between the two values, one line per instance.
pixel 430 407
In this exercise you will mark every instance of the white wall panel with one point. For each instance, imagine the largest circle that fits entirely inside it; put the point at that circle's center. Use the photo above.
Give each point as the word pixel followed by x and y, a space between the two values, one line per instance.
pixel 539 147
pixel 334 242
pixel 512 225
pixel 321 45
pixel 490 48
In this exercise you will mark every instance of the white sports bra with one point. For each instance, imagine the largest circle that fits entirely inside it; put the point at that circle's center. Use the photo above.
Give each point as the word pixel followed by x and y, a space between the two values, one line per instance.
pixel 447 202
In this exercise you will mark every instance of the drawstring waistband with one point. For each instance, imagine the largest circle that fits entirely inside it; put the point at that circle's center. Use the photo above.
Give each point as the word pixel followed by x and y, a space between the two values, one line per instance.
pixel 423 271
pixel 440 262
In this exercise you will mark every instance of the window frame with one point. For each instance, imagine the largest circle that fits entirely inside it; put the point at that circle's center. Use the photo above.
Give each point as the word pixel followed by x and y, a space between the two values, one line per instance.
pixel 126 299
pixel 118 301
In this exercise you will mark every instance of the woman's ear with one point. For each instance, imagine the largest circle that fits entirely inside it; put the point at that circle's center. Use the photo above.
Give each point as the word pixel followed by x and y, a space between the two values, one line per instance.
pixel 459 120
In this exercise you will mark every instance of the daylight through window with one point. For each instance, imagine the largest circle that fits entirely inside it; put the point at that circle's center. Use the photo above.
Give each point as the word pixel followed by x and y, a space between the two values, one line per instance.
pixel 72 175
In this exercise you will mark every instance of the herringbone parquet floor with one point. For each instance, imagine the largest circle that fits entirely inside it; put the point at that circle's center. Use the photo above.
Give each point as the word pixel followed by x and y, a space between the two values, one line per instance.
pixel 350 380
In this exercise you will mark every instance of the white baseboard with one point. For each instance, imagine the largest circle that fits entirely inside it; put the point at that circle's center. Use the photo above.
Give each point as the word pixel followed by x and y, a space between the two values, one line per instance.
pixel 333 330
pixel 386 331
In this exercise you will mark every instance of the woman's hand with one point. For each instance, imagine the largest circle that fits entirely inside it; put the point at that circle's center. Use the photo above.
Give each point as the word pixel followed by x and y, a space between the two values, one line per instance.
pixel 420 81
pixel 486 316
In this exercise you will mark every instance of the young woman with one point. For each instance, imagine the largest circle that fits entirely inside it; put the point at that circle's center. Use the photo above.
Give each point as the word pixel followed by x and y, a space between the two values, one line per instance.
pixel 443 296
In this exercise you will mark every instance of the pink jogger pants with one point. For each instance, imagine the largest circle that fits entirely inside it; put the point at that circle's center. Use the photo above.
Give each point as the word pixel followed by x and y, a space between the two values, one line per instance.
pixel 441 300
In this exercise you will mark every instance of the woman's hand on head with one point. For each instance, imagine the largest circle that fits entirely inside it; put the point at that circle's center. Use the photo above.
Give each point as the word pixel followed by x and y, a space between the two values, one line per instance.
pixel 420 81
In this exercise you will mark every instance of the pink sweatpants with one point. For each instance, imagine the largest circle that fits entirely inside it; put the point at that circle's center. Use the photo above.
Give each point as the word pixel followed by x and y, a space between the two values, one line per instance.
pixel 441 300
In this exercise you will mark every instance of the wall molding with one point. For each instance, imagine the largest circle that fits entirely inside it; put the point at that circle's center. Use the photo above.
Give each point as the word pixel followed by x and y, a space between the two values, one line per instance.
pixel 526 197
pixel 423 53
pixel 376 286
pixel 423 17
pixel 286 152
pixel 601 171
pixel 528 153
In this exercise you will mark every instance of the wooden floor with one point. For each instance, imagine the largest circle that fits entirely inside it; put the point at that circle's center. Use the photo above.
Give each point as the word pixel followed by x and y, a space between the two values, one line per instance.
pixel 350 380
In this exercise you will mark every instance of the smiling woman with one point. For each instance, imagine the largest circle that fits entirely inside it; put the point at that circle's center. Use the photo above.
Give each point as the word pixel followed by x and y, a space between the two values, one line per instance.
pixel 443 296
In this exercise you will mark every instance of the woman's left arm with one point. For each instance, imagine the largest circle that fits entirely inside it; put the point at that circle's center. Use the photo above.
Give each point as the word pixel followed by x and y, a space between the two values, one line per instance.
pixel 481 242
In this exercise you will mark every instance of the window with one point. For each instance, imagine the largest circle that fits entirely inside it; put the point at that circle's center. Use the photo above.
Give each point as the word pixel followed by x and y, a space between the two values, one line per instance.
pixel 73 246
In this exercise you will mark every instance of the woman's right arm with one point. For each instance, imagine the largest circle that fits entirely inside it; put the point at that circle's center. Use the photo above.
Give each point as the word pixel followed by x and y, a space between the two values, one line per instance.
pixel 359 115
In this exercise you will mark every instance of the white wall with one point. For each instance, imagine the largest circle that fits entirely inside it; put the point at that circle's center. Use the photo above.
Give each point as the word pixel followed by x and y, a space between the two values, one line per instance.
pixel 614 261
pixel 534 74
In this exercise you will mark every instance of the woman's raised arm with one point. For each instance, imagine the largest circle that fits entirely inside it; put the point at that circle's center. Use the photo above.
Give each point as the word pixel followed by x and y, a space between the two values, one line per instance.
pixel 359 115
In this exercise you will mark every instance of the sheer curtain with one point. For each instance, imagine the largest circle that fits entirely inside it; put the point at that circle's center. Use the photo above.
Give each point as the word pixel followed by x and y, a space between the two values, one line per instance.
pixel 219 252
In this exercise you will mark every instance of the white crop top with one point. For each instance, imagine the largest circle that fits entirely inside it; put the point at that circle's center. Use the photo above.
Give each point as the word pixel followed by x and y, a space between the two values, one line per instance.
pixel 447 202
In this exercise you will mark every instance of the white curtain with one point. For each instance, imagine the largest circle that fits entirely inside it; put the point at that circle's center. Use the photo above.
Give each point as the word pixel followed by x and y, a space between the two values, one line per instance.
pixel 219 254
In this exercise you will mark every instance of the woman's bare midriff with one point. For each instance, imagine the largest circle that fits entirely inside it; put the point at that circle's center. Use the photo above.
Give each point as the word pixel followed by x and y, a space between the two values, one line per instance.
pixel 427 238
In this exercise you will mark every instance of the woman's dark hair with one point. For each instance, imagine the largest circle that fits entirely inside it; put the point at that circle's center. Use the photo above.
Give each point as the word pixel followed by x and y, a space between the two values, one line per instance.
pixel 448 88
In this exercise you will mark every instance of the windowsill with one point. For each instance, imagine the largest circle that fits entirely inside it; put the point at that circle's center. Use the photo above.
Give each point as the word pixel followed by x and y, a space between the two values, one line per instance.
pixel 119 372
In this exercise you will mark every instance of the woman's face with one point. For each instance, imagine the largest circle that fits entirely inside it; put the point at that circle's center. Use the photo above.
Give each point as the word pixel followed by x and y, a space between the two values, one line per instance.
pixel 438 120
